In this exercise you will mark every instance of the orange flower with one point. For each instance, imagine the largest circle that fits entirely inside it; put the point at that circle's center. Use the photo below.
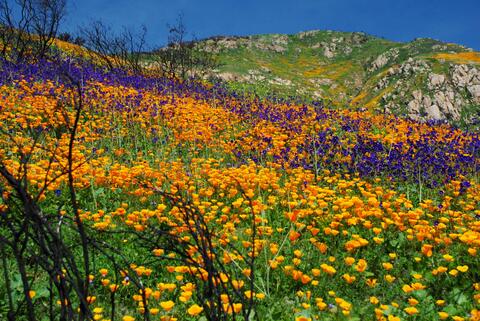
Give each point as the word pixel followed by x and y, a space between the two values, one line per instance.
pixel 302 318
pixel 349 260
pixel 349 278
pixel 427 250
pixel 167 305
pixel 411 310
pixel 293 236
pixel 194 310
pixel 361 265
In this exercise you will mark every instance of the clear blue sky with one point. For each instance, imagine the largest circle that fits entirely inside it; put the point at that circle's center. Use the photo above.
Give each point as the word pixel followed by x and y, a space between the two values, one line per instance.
pixel 401 20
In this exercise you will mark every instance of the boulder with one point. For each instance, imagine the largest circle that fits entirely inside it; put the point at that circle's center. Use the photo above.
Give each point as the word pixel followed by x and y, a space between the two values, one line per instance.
pixel 436 80
pixel 434 112
pixel 475 92
pixel 327 52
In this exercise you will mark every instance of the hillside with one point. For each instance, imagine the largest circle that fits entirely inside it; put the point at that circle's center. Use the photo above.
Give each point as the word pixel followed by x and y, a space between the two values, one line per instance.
pixel 424 79
pixel 137 197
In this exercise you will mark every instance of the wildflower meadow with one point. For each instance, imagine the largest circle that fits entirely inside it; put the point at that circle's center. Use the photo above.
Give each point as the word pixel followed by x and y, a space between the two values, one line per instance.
pixel 135 197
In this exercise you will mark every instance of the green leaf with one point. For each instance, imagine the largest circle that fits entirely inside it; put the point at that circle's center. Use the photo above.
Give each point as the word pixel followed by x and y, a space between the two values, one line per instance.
pixel 421 294
pixel 450 309
pixel 99 191
pixel 462 298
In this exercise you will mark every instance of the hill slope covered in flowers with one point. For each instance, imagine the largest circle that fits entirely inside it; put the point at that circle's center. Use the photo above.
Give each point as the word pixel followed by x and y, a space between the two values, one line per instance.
pixel 311 213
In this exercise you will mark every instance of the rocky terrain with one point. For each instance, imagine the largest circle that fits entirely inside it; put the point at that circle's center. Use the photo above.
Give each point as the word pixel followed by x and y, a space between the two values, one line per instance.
pixel 424 79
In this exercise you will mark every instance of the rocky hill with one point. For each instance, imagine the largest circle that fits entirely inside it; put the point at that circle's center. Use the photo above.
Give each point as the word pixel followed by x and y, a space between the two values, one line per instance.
pixel 424 79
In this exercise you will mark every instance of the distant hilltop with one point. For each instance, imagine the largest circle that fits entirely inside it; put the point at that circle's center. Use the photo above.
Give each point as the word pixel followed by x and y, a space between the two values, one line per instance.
pixel 424 79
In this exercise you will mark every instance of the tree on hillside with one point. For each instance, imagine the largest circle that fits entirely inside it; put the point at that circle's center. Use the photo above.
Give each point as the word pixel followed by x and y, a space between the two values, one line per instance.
pixel 182 59
pixel 29 26
pixel 47 17
pixel 121 50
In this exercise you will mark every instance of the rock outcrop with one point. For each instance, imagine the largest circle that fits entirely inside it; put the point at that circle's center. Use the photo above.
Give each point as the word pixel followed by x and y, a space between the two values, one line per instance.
pixel 384 59
pixel 423 79
pixel 437 96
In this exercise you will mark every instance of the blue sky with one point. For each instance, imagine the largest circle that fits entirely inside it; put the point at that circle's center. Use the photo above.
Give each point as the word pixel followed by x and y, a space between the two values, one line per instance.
pixel 401 20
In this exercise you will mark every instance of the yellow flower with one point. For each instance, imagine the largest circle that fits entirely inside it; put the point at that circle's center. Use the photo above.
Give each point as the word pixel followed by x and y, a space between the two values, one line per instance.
pixel 361 265
pixel 407 288
pixel 448 257
pixel 237 307
pixel 330 270
pixel 442 269
pixel 374 300
pixel 320 304
pixel 194 310
pixel 418 286
pixel 453 272
pixel 462 268
pixel 474 314
pixel 167 305
pixel 349 260
pixel 260 296
pixel 237 284
pixel 371 282
pixel 389 278
pixel 412 301
pixel 442 315
pixel 128 318
pixel 411 310
pixel 349 278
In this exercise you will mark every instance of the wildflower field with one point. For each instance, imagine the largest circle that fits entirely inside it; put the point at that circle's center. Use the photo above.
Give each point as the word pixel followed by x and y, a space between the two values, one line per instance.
pixel 197 203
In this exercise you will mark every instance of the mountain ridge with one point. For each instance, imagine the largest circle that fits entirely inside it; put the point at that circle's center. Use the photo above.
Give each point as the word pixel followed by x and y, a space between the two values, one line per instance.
pixel 424 79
